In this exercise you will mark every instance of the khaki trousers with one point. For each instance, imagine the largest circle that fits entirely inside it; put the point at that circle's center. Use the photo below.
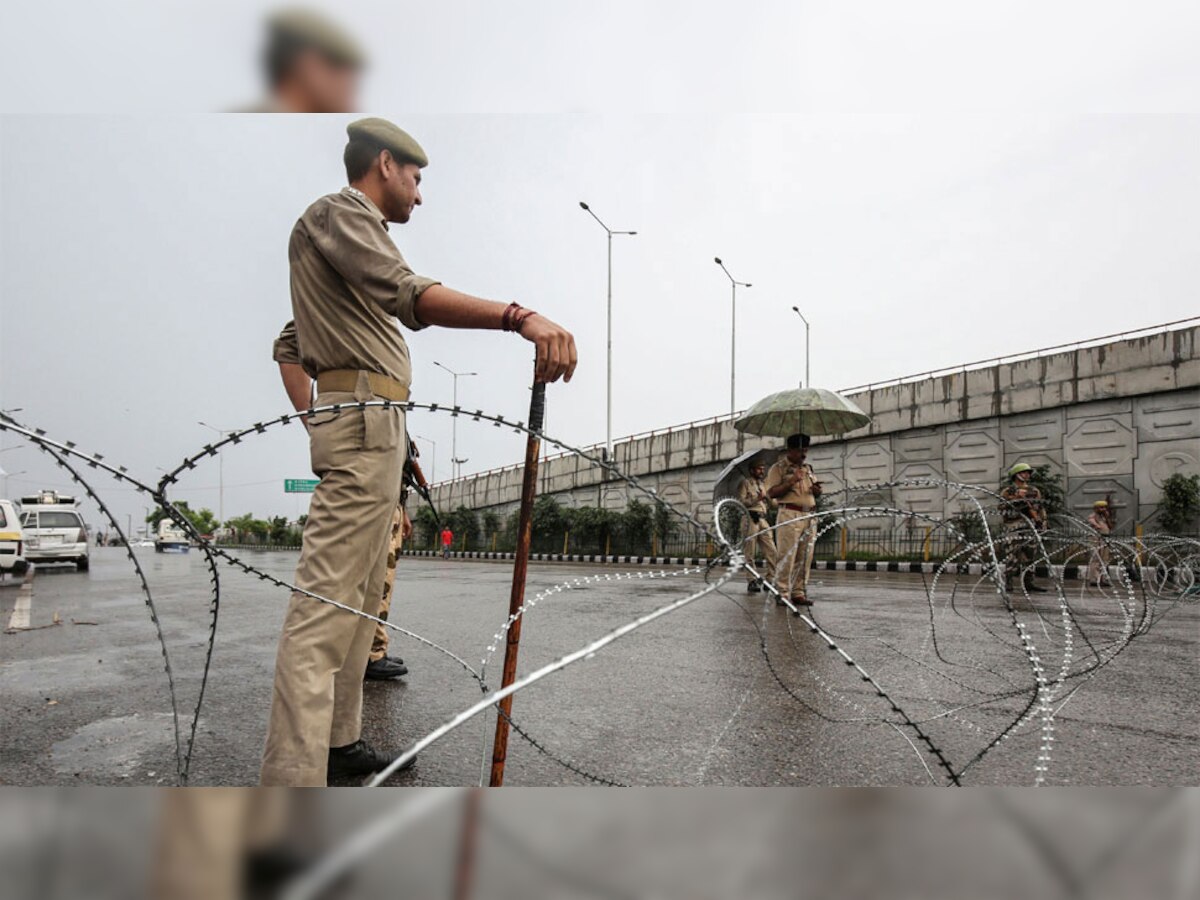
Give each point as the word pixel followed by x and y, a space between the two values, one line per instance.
pixel 759 542
pixel 794 533
pixel 1097 570
pixel 322 654
pixel 379 643
pixel 204 835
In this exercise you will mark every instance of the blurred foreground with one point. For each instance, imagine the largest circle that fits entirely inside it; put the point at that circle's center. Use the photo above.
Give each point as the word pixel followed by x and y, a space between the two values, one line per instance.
pixel 650 843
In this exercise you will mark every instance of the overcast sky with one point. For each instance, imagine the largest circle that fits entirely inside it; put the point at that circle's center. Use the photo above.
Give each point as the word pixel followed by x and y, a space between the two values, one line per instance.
pixel 143 270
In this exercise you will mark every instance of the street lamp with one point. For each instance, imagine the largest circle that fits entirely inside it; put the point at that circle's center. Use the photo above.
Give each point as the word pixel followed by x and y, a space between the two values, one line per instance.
pixel 6 475
pixel 433 458
pixel 455 462
pixel 796 310
pixel 732 330
pixel 610 232
pixel 220 469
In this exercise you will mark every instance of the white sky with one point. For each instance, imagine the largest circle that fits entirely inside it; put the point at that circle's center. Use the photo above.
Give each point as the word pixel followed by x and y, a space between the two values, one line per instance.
pixel 950 186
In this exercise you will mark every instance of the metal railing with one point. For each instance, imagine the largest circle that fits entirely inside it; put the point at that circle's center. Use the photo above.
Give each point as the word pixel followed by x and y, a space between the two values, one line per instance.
pixel 594 449
pixel 1026 355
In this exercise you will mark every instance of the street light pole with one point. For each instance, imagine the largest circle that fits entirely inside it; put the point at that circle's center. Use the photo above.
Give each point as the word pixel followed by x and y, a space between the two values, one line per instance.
pixel 610 233
pixel 807 380
pixel 433 464
pixel 220 470
pixel 732 332
pixel 455 462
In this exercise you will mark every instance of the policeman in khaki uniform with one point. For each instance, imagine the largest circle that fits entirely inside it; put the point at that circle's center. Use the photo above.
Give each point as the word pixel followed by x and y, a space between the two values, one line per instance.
pixel 350 287
pixel 1024 513
pixel 752 494
pixel 1101 521
pixel 310 63
pixel 791 484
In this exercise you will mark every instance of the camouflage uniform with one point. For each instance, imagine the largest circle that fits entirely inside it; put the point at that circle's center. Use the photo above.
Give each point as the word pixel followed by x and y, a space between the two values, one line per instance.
pixel 1020 504
pixel 379 645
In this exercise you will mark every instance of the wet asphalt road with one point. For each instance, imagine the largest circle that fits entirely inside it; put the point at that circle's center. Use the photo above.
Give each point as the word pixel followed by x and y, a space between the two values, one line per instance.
pixel 690 699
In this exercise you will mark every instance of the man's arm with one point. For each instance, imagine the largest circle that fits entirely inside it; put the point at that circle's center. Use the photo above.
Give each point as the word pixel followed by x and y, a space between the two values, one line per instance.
pixel 352 241
pixel 297 383
pixel 556 355
pixel 298 386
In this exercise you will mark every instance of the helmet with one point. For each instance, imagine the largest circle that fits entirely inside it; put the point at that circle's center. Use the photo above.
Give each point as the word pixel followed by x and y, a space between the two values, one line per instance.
pixel 1018 468
pixel 1100 503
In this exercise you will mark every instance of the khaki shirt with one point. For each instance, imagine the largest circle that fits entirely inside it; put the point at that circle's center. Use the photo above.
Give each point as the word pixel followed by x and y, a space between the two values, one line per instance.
pixel 748 495
pixel 349 286
pixel 800 494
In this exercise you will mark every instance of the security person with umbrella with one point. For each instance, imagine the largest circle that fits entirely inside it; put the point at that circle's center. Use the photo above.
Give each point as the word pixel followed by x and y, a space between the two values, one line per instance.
pixel 792 485
pixel 796 414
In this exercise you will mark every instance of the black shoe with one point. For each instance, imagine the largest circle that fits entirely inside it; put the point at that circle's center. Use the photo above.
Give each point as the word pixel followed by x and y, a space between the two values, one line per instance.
pixel 1035 588
pixel 358 759
pixel 385 669
pixel 752 588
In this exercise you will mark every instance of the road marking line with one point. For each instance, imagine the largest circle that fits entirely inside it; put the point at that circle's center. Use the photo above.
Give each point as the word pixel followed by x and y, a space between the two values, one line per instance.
pixel 20 613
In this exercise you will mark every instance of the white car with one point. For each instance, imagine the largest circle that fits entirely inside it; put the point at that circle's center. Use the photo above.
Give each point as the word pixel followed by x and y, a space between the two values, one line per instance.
pixel 54 530
pixel 12 541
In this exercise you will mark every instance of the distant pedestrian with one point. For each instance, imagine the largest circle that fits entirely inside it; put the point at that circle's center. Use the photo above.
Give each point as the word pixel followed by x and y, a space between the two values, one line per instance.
pixel 447 540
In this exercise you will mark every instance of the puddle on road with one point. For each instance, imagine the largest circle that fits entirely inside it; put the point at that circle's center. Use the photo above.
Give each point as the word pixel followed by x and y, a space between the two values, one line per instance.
pixel 116 746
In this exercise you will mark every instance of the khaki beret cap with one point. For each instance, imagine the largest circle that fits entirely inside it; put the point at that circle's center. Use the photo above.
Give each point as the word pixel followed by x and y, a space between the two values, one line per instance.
pixel 382 132
pixel 310 28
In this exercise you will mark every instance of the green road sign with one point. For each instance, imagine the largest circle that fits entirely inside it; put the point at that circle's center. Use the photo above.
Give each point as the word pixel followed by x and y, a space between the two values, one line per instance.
pixel 300 485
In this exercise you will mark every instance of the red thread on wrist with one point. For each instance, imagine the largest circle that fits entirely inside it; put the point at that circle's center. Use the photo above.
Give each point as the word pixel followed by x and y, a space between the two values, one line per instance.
pixel 506 320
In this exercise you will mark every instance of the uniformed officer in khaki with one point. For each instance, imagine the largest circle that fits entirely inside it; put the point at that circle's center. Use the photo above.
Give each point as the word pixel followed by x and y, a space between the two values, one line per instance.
pixel 759 542
pixel 792 485
pixel 351 289
pixel 310 64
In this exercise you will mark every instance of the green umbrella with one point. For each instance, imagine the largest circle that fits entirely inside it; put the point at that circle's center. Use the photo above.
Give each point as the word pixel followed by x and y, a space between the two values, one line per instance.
pixel 802 411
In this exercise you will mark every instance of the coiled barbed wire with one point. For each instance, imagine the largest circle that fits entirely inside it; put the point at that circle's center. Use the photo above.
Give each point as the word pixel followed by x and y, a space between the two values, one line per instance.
pixel 1170 562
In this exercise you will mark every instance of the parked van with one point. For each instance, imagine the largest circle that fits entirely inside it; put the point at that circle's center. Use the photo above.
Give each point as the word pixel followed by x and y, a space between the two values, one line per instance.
pixel 54 529
pixel 12 540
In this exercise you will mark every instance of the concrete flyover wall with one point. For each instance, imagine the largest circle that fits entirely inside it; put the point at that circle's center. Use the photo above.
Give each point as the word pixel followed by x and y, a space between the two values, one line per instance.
pixel 1115 418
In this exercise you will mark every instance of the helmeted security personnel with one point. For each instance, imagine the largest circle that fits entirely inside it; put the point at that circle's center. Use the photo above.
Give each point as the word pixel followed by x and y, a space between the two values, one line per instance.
pixel 752 494
pixel 1024 513
pixel 349 287
pixel 791 484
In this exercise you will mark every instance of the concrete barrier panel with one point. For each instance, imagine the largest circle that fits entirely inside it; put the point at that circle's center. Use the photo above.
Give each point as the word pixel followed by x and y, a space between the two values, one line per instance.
pixel 868 462
pixel 1033 432
pixel 1159 460
pixel 1100 445
pixel 1167 417
pixel 928 499
pixel 973 453
pixel 919 445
